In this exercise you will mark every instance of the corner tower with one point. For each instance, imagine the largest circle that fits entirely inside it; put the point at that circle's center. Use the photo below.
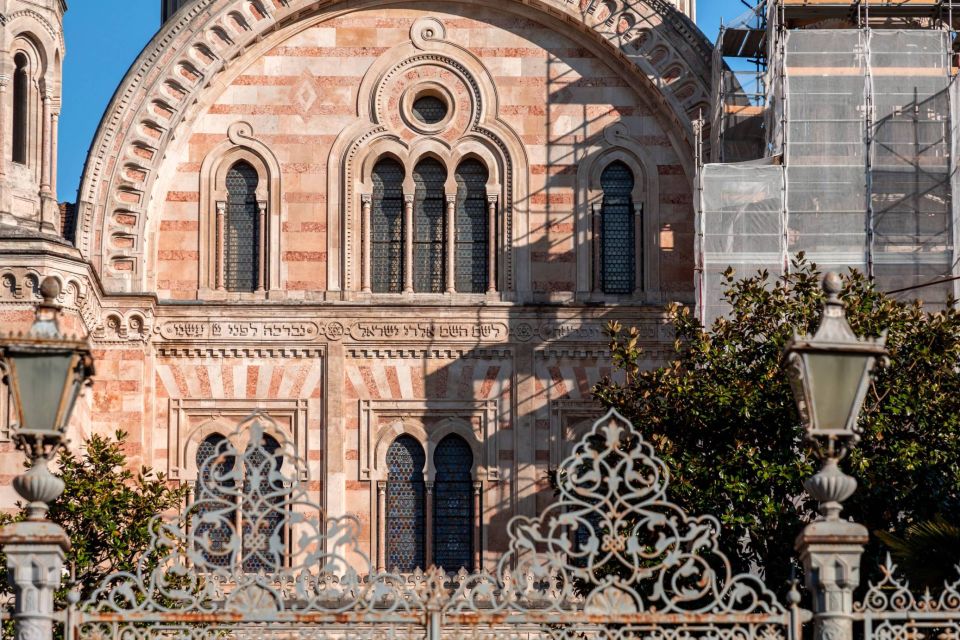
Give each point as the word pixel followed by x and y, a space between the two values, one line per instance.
pixel 31 55
pixel 170 7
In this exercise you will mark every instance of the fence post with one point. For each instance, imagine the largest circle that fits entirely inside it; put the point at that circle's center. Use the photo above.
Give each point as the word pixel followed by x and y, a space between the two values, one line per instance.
pixel 830 552
pixel 35 553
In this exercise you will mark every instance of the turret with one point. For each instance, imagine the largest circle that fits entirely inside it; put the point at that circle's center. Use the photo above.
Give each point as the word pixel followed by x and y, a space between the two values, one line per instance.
pixel 31 56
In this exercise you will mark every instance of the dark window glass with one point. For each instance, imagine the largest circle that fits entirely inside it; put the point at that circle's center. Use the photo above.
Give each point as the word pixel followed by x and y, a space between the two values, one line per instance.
pixel 263 535
pixel 429 109
pixel 617 229
pixel 21 108
pixel 405 505
pixel 386 232
pixel 242 228
pixel 471 227
pixel 214 513
pixel 453 505
pixel 429 235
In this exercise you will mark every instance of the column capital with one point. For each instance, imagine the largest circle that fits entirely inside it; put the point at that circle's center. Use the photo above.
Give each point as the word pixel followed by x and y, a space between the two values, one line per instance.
pixel 221 207
pixel 451 198
pixel 366 198
pixel 493 198
pixel 381 486
pixel 477 487
pixel 408 198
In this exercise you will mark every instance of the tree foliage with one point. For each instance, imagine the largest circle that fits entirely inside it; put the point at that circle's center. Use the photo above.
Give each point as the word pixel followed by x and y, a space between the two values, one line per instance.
pixel 106 509
pixel 723 418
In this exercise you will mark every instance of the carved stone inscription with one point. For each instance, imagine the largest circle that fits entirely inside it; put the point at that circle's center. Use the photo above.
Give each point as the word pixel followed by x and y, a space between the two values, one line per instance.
pixel 486 331
pixel 239 330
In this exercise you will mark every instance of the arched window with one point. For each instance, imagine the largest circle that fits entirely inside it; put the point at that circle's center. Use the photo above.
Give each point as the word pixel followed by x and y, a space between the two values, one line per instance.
pixel 386 232
pixel 263 535
pixel 429 237
pixel 214 512
pixel 405 505
pixel 242 235
pixel 21 107
pixel 617 260
pixel 453 504
pixel 472 250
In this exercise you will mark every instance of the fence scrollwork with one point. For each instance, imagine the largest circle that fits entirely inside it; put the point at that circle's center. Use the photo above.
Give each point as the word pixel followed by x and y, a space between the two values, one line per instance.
pixel 253 556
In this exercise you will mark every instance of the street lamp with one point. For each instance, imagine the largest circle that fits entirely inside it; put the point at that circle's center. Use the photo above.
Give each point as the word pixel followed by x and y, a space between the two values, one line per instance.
pixel 830 375
pixel 45 372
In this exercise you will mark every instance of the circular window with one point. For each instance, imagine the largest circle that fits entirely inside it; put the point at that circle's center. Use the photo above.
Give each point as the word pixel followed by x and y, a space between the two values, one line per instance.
pixel 429 109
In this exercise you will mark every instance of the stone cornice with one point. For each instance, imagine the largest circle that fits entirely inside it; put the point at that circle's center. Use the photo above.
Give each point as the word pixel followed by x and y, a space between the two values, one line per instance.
pixel 658 47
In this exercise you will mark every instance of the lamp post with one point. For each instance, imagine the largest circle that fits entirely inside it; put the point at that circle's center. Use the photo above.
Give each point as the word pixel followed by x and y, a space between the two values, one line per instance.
pixel 45 373
pixel 830 373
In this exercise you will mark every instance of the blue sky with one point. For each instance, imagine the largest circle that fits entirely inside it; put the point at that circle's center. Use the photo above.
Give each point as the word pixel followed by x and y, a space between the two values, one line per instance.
pixel 104 37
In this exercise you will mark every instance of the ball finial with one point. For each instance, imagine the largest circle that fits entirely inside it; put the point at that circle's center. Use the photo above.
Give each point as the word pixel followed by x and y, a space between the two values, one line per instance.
pixel 50 289
pixel 832 284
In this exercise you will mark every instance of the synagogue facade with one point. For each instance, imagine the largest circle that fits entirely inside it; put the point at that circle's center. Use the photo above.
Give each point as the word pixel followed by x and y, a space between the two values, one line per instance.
pixel 396 228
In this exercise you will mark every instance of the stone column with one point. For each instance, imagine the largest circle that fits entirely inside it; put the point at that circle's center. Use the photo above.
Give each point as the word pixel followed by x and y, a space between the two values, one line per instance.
pixel 262 245
pixel 428 508
pixel 639 267
pixel 221 237
pixel 4 83
pixel 54 130
pixel 451 256
pixel 35 554
pixel 408 243
pixel 381 526
pixel 492 202
pixel 367 231
pixel 830 550
pixel 49 211
pixel 477 527
pixel 595 241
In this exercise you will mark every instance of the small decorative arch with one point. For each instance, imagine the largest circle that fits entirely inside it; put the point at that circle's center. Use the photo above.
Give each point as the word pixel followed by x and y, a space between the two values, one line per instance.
pixel 240 147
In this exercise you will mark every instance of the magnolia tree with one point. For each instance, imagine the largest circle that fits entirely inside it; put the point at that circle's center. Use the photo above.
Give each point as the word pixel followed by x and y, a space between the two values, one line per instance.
pixel 722 416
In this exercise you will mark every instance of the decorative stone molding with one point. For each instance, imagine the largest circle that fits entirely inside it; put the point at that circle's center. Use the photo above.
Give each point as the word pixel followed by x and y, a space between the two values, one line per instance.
pixel 161 92
pixel 376 353
pixel 381 421
pixel 191 420
pixel 239 352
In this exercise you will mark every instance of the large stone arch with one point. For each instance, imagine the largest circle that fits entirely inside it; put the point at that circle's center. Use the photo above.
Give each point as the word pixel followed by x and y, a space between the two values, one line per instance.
pixel 645 38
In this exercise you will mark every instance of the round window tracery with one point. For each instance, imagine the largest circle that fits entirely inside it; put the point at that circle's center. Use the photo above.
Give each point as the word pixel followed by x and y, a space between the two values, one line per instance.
pixel 430 109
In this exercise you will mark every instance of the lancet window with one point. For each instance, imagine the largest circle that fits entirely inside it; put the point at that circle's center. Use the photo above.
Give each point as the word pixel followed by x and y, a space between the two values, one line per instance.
pixel 221 513
pixel 453 518
pixel 243 233
pixel 21 108
pixel 616 230
pixel 473 227
pixel 405 508
pixel 386 228
pixel 429 233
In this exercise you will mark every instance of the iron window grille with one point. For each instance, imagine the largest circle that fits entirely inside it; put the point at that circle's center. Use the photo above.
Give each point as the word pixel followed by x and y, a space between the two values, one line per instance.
pixel 405 506
pixel 386 232
pixel 242 236
pixel 617 229
pixel 453 505
pixel 429 228
pixel 472 248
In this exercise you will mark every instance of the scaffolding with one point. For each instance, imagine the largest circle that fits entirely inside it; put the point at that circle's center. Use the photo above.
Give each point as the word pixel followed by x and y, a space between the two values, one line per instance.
pixel 857 168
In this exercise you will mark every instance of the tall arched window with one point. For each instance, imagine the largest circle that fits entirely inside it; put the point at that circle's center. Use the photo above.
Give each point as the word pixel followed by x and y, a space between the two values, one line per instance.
pixel 214 513
pixel 263 535
pixel 453 504
pixel 405 505
pixel 386 232
pixel 472 250
pixel 429 237
pixel 21 108
pixel 242 234
pixel 617 259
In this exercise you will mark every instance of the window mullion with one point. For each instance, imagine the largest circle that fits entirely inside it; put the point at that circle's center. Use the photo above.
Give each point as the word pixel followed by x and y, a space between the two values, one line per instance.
pixel 451 248
pixel 408 200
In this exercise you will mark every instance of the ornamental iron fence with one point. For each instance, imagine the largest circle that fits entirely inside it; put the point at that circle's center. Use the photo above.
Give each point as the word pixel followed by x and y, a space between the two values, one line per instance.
pixel 253 557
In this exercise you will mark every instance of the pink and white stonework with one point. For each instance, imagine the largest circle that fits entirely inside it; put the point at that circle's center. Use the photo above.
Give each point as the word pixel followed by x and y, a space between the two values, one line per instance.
pixel 312 94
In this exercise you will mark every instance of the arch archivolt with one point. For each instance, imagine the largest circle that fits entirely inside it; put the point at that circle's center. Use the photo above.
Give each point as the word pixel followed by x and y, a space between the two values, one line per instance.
pixel 214 42
pixel 238 437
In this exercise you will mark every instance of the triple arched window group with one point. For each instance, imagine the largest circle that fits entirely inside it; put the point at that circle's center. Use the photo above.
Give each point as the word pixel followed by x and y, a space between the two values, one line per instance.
pixel 429 523
pixel 432 241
